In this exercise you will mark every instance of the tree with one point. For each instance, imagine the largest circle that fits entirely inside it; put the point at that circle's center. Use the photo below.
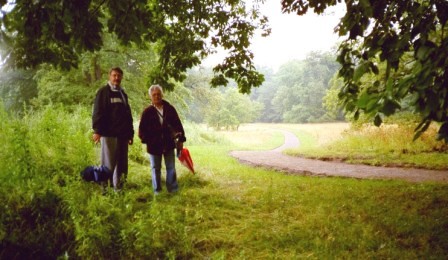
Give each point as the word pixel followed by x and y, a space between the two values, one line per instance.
pixel 303 85
pixel 389 30
pixel 17 89
pixel 264 95
pixel 331 100
pixel 78 86
pixel 184 32
pixel 203 97
pixel 231 109
pixel 69 89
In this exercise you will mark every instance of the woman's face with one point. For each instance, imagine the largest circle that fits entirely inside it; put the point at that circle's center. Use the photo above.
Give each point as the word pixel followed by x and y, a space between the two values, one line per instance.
pixel 156 97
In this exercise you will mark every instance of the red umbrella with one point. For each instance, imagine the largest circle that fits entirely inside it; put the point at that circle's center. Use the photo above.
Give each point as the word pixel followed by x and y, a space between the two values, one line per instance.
pixel 185 159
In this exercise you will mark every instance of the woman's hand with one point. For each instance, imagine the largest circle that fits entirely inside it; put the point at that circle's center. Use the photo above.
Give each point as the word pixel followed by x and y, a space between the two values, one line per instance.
pixel 179 146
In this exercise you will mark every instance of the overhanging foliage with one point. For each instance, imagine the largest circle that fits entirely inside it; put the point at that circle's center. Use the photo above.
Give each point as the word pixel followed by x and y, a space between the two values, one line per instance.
pixel 387 31
pixel 56 32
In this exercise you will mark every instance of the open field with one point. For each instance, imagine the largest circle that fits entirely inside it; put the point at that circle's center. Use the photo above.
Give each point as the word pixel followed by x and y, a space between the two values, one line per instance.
pixel 319 133
pixel 388 145
pixel 230 210
pixel 225 211
pixel 262 136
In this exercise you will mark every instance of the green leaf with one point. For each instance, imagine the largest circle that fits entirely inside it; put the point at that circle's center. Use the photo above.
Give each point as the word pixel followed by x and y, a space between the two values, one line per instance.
pixel 367 101
pixel 372 104
pixel 378 121
pixel 389 107
pixel 422 52
pixel 421 128
pixel 367 8
pixel 389 88
pixel 361 70
pixel 363 100
pixel 356 116
pixel 403 85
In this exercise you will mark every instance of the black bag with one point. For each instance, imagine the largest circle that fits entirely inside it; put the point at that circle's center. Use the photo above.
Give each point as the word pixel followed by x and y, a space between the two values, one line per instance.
pixel 96 174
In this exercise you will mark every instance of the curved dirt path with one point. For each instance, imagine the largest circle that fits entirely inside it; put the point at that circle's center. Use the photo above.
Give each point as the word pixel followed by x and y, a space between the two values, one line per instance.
pixel 275 159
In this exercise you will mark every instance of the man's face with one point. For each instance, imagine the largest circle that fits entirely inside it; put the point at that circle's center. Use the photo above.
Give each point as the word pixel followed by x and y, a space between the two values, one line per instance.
pixel 115 78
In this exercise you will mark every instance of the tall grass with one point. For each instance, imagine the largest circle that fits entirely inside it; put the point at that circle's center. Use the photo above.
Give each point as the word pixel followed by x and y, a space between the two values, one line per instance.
pixel 253 137
pixel 226 210
pixel 41 154
pixel 388 145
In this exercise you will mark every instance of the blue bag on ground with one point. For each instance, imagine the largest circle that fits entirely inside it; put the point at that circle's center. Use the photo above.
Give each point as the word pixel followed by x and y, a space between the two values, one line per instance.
pixel 96 174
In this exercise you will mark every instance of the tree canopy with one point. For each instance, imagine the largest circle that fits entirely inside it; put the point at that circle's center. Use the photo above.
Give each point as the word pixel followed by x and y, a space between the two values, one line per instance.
pixel 302 87
pixel 387 31
pixel 220 108
pixel 57 32
pixel 403 43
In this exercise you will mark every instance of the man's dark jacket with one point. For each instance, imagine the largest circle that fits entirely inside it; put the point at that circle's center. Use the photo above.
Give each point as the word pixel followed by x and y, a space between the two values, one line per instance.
pixel 112 115
pixel 159 138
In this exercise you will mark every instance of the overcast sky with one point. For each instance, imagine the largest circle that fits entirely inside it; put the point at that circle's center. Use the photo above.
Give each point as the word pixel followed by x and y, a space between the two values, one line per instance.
pixel 292 36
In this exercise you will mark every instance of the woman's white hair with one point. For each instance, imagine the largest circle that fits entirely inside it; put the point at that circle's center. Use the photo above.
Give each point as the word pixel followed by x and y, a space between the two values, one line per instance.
pixel 153 87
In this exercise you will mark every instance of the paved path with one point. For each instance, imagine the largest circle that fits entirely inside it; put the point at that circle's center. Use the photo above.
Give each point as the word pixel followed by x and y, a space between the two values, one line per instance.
pixel 275 159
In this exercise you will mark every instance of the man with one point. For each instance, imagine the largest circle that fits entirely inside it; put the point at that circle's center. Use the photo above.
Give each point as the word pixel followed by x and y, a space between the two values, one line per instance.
pixel 112 126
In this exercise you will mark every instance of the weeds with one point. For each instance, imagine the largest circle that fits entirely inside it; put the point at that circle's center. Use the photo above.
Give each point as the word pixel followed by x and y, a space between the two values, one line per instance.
pixel 225 210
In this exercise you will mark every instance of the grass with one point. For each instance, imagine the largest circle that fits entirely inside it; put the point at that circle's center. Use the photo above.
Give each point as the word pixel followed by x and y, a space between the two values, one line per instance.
pixel 228 210
pixel 253 137
pixel 388 145
pixel 225 211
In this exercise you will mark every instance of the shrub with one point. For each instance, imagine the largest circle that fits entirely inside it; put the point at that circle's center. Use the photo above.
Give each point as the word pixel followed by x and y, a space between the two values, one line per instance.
pixel 42 155
pixel 35 223
pixel 58 141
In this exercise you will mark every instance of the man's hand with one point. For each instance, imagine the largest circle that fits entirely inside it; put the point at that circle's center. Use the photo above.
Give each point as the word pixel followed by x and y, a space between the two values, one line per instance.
pixel 96 138
pixel 131 141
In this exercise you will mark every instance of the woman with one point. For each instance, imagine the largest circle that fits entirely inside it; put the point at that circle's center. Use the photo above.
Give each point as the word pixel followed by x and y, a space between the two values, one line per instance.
pixel 161 130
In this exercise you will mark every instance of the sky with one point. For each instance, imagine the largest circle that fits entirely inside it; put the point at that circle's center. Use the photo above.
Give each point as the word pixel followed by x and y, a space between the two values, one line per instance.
pixel 292 36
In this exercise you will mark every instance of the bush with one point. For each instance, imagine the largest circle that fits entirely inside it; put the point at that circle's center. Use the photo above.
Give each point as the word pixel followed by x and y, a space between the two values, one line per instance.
pixel 42 155
pixel 197 134
pixel 36 221
pixel 59 141
pixel 49 212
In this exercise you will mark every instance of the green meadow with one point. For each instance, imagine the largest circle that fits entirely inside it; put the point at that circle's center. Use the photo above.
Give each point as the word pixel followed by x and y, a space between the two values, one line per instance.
pixel 388 145
pixel 224 211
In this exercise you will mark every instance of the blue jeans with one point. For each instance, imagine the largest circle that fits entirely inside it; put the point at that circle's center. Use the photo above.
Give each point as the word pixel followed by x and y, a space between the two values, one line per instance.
pixel 156 171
